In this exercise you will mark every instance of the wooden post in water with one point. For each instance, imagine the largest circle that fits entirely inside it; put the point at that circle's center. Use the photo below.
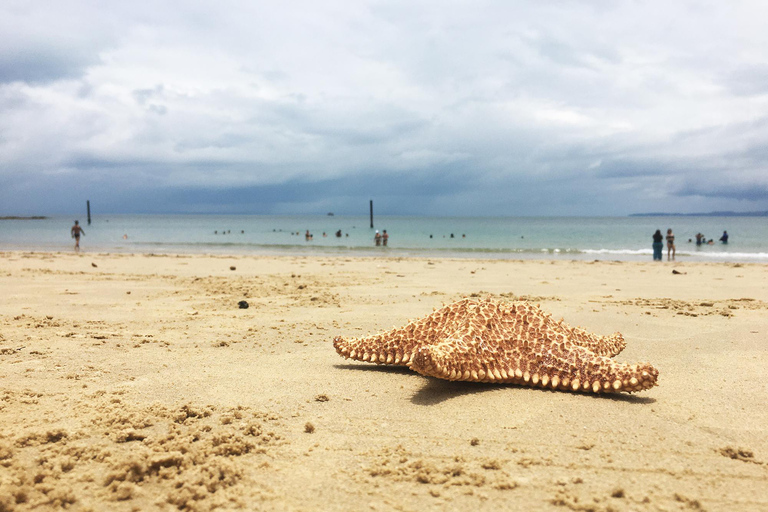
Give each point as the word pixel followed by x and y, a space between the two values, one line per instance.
pixel 371 213
pixel 88 205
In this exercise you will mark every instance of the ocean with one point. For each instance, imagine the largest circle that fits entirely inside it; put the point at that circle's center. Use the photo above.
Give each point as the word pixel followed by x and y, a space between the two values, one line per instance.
pixel 582 238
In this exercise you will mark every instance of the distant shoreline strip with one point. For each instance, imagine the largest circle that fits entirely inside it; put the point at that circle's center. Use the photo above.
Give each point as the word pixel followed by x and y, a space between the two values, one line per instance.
pixel 710 214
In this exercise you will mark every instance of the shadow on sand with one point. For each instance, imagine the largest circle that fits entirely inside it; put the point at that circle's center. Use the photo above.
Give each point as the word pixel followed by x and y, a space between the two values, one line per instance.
pixel 436 391
pixel 404 370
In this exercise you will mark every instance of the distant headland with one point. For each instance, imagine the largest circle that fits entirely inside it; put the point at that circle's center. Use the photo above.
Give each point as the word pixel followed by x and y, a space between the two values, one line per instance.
pixel 710 214
pixel 14 217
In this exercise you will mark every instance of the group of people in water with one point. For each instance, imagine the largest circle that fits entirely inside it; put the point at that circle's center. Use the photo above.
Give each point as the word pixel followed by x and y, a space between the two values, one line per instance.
pixel 380 239
pixel 702 240
pixel 658 244
pixel 309 236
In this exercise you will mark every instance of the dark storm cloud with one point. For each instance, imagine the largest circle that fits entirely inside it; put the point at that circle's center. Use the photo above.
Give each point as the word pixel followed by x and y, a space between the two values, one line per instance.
pixel 757 192
pixel 358 188
pixel 403 193
pixel 641 168
pixel 43 64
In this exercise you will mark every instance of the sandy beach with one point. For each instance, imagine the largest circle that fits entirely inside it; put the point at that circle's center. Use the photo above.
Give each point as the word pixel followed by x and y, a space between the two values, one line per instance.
pixel 135 382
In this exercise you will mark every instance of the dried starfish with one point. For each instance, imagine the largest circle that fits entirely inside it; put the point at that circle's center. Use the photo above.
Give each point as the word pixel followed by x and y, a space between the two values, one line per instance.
pixel 487 341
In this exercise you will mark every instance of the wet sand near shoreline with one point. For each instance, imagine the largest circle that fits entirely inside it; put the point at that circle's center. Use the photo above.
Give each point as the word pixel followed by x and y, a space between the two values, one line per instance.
pixel 135 382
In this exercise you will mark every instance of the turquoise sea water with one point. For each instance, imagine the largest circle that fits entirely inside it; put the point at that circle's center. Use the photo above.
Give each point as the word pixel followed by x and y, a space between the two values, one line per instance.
pixel 610 238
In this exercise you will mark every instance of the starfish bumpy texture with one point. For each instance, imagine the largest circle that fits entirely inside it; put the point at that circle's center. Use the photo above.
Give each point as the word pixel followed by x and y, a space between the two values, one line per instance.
pixel 516 342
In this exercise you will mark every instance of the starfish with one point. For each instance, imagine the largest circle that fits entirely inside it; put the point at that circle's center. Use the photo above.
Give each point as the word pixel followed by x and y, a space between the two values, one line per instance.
pixel 481 340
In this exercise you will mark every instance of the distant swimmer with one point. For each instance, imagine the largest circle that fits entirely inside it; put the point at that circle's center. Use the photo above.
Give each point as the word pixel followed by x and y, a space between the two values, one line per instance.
pixel 384 238
pixel 308 236
pixel 724 238
pixel 76 232
pixel 377 238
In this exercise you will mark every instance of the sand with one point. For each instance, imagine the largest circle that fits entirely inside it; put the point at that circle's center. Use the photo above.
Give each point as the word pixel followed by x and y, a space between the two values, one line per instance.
pixel 135 382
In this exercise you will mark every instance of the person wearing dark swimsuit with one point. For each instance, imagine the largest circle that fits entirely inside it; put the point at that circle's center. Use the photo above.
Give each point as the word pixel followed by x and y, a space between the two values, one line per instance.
pixel 76 232
pixel 670 244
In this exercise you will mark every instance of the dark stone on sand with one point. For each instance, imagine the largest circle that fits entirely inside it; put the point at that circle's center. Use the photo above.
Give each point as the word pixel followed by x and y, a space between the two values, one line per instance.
pixel 242 304
pixel 232 268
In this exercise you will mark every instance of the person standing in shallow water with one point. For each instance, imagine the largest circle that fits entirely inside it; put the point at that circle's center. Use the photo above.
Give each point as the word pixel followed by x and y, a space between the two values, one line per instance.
pixel 657 245
pixel 670 244
pixel 76 232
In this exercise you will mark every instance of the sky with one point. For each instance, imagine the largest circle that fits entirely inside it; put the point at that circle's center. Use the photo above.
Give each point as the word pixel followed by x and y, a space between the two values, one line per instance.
pixel 467 108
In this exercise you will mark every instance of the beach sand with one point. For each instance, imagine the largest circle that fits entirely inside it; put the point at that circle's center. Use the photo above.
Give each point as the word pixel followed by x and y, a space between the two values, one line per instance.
pixel 135 382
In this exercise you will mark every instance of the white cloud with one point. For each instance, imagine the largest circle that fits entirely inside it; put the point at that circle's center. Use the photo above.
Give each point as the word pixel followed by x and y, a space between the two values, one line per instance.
pixel 496 95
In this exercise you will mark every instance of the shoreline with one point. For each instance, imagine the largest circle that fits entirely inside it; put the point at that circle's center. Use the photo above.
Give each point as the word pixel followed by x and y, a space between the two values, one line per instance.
pixel 141 384
pixel 298 250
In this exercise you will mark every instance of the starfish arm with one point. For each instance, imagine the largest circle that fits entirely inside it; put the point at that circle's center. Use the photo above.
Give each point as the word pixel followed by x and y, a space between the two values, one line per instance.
pixel 607 346
pixel 379 349
pixel 577 370
pixel 397 346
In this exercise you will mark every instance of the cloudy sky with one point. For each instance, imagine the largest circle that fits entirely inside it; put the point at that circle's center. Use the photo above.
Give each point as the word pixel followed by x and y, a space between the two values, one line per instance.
pixel 592 107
